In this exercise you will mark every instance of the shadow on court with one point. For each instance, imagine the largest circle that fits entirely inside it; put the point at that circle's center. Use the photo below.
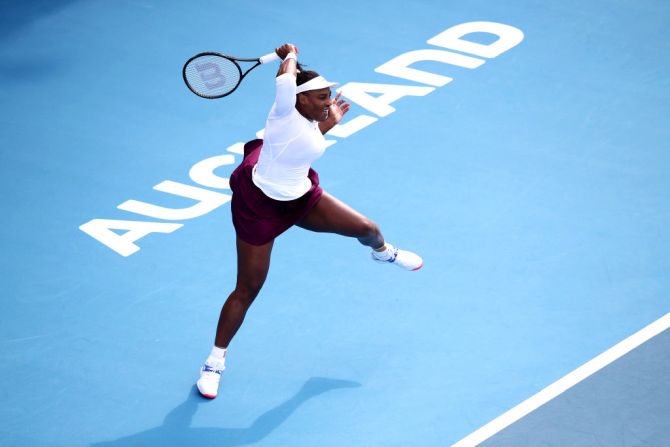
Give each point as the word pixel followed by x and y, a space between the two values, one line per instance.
pixel 177 430
pixel 17 14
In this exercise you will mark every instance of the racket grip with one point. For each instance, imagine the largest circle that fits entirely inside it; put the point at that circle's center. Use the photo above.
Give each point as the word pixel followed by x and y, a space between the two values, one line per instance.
pixel 270 57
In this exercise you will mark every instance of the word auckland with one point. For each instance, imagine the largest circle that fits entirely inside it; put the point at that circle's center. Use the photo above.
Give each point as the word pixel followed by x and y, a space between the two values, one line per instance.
pixel 470 55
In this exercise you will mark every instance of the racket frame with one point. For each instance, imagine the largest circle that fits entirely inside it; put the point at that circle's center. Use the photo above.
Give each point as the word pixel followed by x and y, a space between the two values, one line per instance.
pixel 234 60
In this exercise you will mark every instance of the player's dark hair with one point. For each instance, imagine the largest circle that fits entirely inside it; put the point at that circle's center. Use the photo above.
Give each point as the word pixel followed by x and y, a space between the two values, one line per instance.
pixel 305 75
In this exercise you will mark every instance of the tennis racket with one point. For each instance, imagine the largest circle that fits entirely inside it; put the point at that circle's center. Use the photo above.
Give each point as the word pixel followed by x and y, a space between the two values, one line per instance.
pixel 215 75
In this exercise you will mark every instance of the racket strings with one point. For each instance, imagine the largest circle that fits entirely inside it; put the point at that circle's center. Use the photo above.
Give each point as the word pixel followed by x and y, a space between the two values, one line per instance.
pixel 212 75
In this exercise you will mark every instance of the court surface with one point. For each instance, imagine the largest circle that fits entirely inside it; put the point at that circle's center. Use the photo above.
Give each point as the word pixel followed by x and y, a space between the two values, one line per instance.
pixel 534 183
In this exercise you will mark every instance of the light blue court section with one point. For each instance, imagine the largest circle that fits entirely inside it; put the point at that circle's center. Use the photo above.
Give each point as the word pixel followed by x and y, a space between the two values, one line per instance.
pixel 535 187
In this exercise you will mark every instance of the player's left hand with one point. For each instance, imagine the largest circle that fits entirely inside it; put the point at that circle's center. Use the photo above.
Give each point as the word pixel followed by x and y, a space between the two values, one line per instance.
pixel 338 108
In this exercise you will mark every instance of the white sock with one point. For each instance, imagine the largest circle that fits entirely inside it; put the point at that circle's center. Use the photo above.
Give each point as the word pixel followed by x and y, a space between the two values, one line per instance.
pixel 385 254
pixel 218 354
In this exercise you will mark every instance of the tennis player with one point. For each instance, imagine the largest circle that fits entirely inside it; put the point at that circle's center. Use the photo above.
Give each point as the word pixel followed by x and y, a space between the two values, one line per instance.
pixel 275 188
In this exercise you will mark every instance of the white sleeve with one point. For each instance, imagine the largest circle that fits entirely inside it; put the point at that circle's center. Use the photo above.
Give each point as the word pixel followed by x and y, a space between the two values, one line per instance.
pixel 285 96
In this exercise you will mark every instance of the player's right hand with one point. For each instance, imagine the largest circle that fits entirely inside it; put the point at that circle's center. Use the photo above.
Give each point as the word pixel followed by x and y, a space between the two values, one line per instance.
pixel 286 49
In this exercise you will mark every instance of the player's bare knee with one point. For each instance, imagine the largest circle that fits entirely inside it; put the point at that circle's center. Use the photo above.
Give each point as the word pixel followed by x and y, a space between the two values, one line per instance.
pixel 369 228
pixel 247 291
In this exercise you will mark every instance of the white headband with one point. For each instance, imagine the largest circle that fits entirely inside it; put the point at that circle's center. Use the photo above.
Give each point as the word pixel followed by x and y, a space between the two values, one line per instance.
pixel 315 84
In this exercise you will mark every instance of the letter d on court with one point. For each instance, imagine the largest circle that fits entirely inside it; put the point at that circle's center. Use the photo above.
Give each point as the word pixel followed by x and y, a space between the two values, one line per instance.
pixel 453 38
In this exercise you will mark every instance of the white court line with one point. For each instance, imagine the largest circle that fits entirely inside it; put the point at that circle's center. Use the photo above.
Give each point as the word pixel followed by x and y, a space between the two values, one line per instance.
pixel 565 383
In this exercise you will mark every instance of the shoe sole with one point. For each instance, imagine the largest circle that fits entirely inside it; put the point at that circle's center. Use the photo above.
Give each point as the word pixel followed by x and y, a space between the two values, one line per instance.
pixel 386 262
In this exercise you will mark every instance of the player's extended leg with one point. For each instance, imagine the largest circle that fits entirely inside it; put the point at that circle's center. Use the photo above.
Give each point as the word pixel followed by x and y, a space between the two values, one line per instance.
pixel 331 215
pixel 253 263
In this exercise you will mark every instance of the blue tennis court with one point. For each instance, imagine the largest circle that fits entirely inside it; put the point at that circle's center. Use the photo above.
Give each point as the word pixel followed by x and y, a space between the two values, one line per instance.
pixel 521 148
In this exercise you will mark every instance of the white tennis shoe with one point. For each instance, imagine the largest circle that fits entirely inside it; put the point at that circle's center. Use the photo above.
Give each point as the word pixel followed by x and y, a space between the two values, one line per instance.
pixel 402 258
pixel 210 376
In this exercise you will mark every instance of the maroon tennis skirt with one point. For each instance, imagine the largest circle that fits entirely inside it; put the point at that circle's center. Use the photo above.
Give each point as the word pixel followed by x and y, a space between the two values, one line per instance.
pixel 257 218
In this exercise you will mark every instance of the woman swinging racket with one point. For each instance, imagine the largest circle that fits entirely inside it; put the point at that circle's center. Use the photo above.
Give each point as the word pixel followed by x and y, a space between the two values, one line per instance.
pixel 275 188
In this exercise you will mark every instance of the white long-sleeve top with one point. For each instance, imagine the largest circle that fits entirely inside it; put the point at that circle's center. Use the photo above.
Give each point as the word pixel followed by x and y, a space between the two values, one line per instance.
pixel 290 144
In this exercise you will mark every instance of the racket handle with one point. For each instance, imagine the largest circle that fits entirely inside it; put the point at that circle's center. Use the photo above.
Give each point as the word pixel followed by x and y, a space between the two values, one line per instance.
pixel 270 57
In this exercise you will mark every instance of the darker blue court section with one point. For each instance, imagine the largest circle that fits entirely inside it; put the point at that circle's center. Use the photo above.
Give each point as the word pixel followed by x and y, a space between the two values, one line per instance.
pixel 625 404
pixel 535 186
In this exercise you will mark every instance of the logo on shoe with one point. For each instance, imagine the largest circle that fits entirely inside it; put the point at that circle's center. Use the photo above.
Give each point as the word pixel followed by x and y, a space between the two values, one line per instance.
pixel 207 368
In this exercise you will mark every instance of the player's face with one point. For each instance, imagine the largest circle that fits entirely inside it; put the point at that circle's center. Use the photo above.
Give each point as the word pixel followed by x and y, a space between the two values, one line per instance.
pixel 315 104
